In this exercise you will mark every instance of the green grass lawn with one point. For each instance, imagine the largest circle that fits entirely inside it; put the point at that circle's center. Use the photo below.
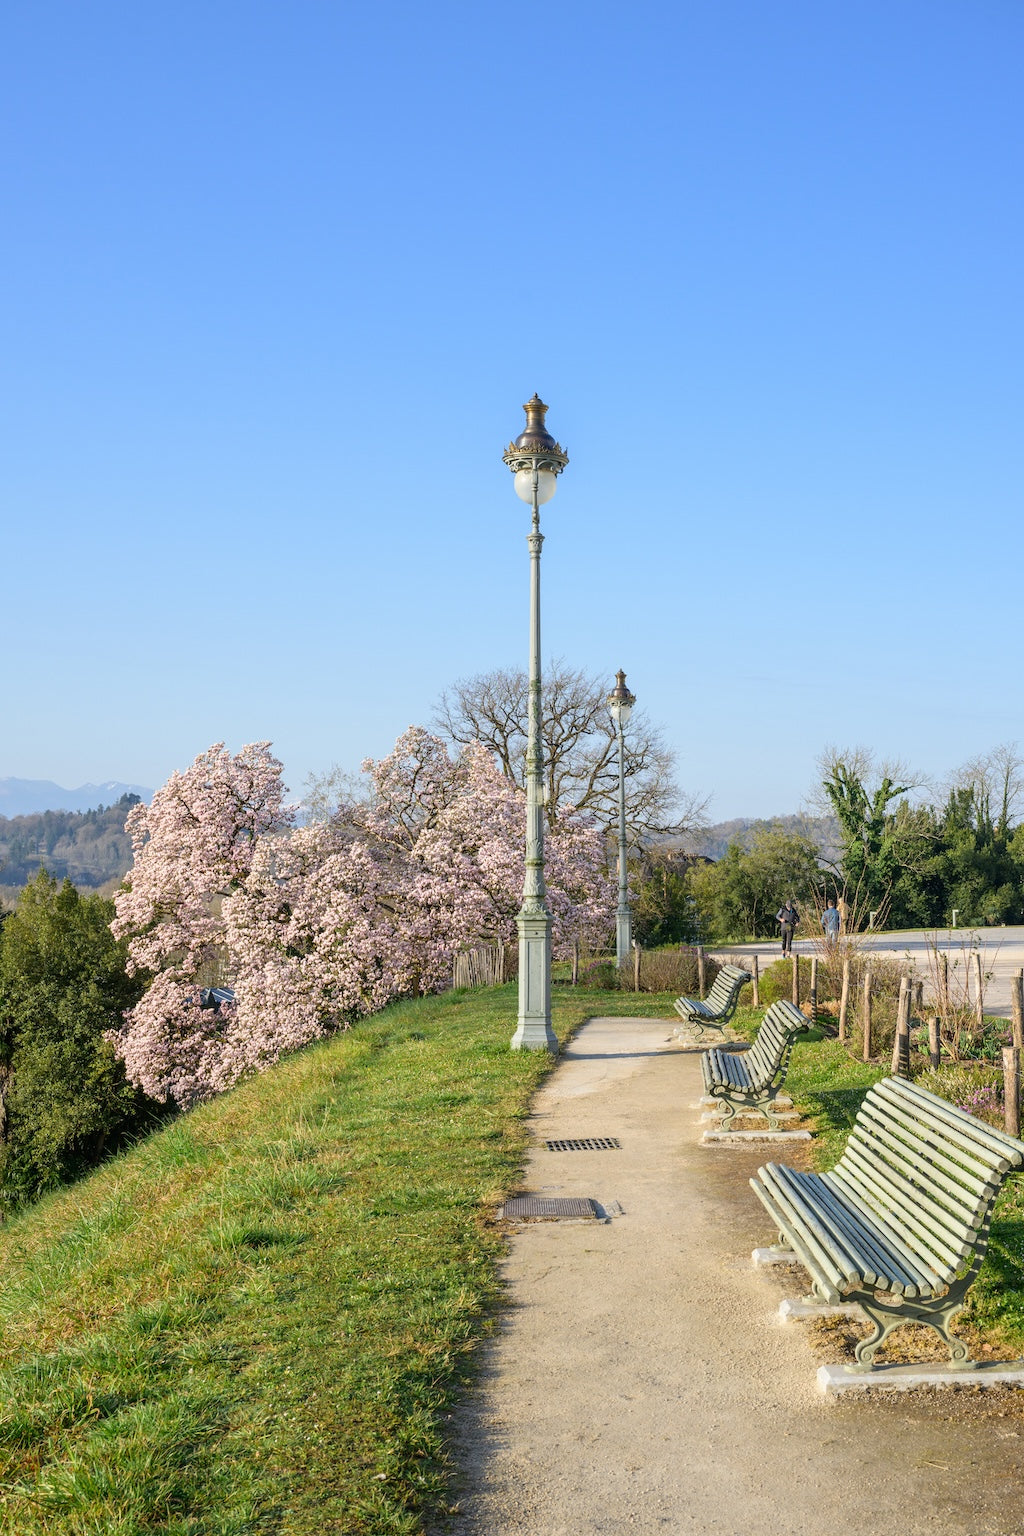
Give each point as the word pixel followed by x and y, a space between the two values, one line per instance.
pixel 827 1085
pixel 257 1319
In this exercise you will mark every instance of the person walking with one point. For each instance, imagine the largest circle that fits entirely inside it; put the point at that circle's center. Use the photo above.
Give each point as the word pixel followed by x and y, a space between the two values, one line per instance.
pixel 788 916
pixel 830 922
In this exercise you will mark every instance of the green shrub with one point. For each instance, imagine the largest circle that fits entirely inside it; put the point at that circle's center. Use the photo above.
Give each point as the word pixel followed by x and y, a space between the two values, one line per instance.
pixel 978 1089
pixel 671 969
pixel 599 976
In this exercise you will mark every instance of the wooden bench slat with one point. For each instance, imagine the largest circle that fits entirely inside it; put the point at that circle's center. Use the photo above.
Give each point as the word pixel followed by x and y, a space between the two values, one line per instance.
pixel 831 1245
pixel 880 1258
pixel 941 1252
pixel 955 1206
pixel 963 1192
pixel 838 1275
pixel 925 1255
pixel 733 1070
pixel 898 1126
pixel 767 1049
pixel 829 1279
pixel 1006 1147
pixel 977 1148
pixel 957 1221
pixel 870 1261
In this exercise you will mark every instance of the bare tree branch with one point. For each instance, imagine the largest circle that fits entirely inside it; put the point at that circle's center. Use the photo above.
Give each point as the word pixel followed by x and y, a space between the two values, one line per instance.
pixel 580 748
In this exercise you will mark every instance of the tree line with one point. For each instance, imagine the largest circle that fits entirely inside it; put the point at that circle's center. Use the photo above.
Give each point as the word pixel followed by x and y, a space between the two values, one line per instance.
pixel 89 847
pixel 907 855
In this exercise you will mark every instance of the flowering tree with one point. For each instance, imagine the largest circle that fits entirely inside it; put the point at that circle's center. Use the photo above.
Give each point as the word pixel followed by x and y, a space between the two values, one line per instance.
pixel 313 938
pixel 193 845
pixel 321 924
pixel 459 826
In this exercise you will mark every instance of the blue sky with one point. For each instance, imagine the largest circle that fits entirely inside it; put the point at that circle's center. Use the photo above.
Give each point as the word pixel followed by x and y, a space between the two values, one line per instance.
pixel 276 280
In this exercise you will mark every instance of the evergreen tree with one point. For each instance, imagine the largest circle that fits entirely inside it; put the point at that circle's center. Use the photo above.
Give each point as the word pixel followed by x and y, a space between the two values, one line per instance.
pixel 64 1098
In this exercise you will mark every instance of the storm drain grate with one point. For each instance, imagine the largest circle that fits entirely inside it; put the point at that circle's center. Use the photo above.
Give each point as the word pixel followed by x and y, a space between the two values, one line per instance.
pixel 533 1205
pixel 585 1144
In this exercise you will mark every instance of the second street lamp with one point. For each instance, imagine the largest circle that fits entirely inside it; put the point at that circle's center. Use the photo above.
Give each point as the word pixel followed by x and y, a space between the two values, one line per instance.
pixel 620 706
pixel 536 460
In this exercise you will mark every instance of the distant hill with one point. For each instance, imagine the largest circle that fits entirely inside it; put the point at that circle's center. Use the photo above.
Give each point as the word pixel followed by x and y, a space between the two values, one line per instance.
pixel 713 841
pixel 90 847
pixel 24 797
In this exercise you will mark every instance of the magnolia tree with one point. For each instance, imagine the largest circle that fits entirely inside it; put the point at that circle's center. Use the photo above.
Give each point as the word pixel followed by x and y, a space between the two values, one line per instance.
pixel 192 846
pixel 321 924
pixel 456 824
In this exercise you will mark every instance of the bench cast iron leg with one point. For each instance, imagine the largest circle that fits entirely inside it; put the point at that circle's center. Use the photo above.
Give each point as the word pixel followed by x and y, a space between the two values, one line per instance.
pixel 887 1320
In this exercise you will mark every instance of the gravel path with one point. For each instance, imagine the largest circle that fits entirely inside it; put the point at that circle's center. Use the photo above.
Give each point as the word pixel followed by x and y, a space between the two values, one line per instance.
pixel 640 1381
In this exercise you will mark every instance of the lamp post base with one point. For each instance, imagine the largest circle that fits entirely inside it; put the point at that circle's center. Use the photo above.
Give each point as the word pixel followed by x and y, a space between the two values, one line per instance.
pixel 534 1032
pixel 623 937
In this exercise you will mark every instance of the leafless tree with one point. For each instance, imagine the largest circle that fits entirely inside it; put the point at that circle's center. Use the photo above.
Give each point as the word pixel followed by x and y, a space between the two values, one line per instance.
pixel 580 747
pixel 329 794
pixel 996 779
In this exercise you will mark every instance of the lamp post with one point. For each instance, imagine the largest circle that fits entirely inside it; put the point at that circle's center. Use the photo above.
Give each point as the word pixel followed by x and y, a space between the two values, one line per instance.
pixel 536 461
pixel 620 706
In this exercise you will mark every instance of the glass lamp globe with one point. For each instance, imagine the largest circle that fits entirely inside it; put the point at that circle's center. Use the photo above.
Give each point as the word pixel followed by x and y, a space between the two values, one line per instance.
pixel 620 713
pixel 546 483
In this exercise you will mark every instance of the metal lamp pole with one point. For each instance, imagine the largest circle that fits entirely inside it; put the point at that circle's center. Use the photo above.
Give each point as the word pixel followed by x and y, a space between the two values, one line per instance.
pixel 536 460
pixel 620 706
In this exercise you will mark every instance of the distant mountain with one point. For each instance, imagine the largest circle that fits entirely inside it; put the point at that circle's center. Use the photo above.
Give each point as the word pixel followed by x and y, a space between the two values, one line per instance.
pixel 712 842
pixel 26 797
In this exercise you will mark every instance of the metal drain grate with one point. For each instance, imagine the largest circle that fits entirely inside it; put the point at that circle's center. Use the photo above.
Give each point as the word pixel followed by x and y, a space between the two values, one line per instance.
pixel 585 1144
pixel 532 1205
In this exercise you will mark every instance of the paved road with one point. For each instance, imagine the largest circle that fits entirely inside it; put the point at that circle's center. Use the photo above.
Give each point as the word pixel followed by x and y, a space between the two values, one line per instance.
pixel 640 1382
pixel 1002 954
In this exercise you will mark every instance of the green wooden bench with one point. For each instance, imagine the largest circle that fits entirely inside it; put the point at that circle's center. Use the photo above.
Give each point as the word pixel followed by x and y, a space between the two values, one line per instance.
pixel 901 1223
pixel 720 1004
pixel 748 1083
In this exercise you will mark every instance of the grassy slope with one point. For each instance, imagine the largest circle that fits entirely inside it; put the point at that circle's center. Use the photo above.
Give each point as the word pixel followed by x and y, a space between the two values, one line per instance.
pixel 828 1084
pixel 255 1320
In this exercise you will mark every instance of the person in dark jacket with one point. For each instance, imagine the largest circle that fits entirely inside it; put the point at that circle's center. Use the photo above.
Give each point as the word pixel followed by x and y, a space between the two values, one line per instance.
pixel 788 916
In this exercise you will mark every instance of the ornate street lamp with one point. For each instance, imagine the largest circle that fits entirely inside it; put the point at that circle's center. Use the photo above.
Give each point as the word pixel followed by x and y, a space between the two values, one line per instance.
pixel 536 460
pixel 620 706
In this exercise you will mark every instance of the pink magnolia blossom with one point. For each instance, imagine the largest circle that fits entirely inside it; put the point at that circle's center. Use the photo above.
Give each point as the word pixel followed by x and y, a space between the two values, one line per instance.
pixel 192 846
pixel 320 925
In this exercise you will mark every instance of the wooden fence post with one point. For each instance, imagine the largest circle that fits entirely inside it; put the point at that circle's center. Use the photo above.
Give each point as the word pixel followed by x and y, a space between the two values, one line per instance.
pixel 1017 993
pixel 814 989
pixel 844 999
pixel 700 972
pixel 1011 1089
pixel 934 1042
pixel 919 996
pixel 865 1014
pixel 796 981
pixel 979 988
pixel 757 982
pixel 894 1065
pixel 636 966
pixel 901 1041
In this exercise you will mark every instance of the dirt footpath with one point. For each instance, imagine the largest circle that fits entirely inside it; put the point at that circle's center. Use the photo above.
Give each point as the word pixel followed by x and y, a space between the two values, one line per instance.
pixel 640 1381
